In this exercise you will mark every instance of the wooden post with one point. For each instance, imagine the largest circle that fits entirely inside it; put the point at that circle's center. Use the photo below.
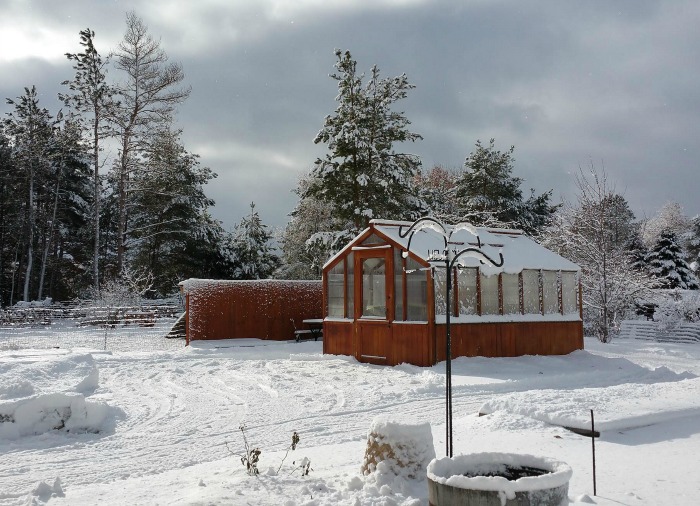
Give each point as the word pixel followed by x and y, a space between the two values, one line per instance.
pixel 187 319
pixel 593 445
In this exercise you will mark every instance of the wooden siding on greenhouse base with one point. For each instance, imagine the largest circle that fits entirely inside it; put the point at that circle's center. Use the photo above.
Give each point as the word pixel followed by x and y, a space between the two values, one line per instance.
pixel 510 339
pixel 423 344
pixel 380 342
pixel 261 309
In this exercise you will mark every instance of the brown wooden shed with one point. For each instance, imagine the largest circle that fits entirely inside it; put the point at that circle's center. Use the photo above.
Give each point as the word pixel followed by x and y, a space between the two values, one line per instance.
pixel 261 309
pixel 384 304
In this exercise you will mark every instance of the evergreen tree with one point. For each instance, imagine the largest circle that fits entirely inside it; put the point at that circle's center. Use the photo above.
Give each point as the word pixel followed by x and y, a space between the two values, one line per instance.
pixel 10 219
pixel 636 251
pixel 31 129
pixel 693 246
pixel 252 255
pixel 92 96
pixel 168 203
pixel 302 258
pixel 489 194
pixel 362 177
pixel 666 263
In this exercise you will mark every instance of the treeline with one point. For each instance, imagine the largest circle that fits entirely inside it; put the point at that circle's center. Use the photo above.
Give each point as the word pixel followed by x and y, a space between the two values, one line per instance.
pixel 74 221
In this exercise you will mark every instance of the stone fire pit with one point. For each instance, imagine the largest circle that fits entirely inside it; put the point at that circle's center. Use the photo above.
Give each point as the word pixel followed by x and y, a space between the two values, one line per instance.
pixel 497 479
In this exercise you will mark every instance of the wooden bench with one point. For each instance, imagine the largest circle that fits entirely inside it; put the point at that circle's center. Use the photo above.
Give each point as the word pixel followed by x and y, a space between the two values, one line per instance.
pixel 314 330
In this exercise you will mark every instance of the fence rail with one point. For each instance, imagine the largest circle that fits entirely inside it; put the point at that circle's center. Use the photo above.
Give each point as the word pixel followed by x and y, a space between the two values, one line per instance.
pixel 124 328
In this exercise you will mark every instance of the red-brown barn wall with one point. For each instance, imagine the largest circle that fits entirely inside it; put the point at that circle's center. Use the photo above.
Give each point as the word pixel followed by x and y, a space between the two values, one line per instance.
pixel 262 309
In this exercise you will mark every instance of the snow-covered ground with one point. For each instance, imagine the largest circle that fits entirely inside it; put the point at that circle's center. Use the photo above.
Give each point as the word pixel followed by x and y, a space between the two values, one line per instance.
pixel 160 427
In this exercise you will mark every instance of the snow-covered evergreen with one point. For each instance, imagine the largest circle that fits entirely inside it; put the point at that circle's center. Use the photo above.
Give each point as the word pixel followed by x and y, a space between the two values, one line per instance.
pixel 693 245
pixel 488 193
pixel 666 263
pixel 252 254
pixel 362 177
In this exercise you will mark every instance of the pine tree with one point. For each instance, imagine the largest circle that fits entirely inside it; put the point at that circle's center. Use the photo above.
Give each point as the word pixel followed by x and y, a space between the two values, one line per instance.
pixel 666 263
pixel 489 194
pixel 636 251
pixel 10 219
pixel 301 258
pixel 168 202
pixel 693 246
pixel 252 254
pixel 362 177
pixel 92 96
pixel 31 129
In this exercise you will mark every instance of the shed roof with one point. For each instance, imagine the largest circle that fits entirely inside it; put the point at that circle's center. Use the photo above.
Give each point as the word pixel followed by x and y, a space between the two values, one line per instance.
pixel 519 251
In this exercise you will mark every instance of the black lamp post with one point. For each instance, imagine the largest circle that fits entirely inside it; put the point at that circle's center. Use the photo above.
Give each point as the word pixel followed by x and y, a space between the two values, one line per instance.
pixel 449 257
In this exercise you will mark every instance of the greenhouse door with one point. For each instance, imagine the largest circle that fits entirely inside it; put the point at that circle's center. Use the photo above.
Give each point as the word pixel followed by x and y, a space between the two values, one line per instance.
pixel 374 303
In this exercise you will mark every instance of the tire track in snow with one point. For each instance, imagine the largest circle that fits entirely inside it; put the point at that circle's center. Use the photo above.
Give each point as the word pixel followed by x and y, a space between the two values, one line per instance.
pixel 181 408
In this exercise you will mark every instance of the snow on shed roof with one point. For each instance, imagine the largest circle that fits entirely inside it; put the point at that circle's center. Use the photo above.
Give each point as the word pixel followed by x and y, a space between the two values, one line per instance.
pixel 519 251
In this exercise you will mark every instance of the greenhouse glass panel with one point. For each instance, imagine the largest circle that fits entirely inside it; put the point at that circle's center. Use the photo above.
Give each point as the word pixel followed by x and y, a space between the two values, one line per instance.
pixel 350 286
pixel 373 288
pixel 569 292
pixel 466 283
pixel 416 292
pixel 398 284
pixel 550 292
pixel 489 295
pixel 531 292
pixel 511 293
pixel 335 291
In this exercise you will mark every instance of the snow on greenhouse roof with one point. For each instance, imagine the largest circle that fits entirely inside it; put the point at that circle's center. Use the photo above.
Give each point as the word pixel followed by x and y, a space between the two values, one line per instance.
pixel 519 251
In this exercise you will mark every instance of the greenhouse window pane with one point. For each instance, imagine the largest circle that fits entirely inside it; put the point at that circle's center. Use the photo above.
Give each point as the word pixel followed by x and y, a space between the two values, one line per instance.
pixel 511 293
pixel 466 283
pixel 550 291
pixel 531 292
pixel 416 292
pixel 335 291
pixel 489 295
pixel 569 292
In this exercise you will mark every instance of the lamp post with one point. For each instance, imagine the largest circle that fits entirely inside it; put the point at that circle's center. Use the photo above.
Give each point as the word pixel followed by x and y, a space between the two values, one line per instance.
pixel 449 257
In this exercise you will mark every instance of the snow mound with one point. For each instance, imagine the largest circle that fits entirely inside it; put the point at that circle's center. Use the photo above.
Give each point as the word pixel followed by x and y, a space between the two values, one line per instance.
pixel 616 407
pixel 40 393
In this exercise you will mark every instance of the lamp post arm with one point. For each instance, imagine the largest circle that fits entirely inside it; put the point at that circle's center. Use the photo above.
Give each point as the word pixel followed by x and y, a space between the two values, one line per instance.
pixel 417 226
pixel 478 253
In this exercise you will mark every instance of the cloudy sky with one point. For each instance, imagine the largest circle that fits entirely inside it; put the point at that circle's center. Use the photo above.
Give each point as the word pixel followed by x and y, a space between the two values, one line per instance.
pixel 569 83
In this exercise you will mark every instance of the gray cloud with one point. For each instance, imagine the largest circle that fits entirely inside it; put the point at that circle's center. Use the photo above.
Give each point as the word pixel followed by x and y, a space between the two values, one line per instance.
pixel 568 83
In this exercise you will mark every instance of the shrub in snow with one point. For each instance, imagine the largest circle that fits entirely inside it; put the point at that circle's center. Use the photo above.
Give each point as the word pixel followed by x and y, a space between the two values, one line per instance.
pixel 677 306
pixel 251 457
pixel 398 448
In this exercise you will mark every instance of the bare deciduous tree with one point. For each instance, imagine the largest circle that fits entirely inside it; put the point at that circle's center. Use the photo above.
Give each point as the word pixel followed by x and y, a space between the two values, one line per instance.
pixel 593 233
pixel 147 99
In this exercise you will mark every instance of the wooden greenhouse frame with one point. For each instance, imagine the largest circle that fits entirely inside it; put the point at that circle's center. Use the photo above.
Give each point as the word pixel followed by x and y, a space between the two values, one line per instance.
pixel 384 303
